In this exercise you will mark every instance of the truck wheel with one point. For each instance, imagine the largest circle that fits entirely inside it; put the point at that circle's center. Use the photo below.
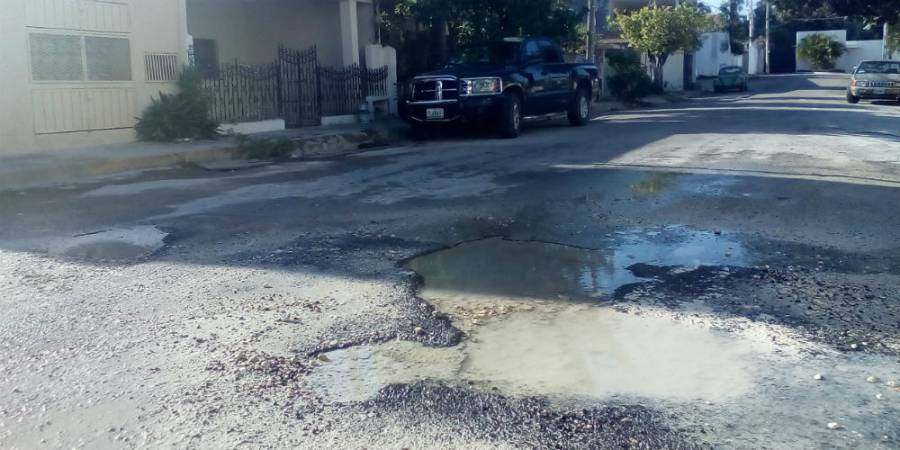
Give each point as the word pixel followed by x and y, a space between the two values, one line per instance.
pixel 852 98
pixel 510 125
pixel 580 109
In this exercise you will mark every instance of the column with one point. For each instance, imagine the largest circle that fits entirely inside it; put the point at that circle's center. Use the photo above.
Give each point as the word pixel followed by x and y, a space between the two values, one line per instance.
pixel 349 32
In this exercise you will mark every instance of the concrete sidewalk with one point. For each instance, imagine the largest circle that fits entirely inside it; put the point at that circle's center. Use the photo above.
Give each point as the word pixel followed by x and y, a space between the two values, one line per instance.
pixel 66 166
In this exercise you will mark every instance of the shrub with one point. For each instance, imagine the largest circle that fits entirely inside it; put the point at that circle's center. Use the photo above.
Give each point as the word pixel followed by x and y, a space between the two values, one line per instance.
pixel 820 51
pixel 184 115
pixel 629 81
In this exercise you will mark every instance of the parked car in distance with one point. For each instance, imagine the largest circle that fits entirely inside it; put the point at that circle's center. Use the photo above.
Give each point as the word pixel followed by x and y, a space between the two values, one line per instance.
pixel 502 83
pixel 875 80
pixel 731 77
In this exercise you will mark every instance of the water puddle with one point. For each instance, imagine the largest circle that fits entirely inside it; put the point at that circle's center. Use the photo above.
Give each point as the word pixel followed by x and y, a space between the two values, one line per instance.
pixel 739 376
pixel 542 270
pixel 123 244
pixel 523 340
pixel 578 352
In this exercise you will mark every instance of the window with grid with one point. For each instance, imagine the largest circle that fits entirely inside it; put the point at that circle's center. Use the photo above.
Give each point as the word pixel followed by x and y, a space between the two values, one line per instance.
pixel 64 57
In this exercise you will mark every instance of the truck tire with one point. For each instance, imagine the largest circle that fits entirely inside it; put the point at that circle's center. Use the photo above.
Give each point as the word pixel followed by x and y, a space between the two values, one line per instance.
pixel 580 109
pixel 510 123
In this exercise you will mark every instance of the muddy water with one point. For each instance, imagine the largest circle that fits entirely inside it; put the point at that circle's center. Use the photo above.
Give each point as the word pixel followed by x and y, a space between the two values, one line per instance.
pixel 524 341
pixel 544 270
pixel 578 352
pixel 596 353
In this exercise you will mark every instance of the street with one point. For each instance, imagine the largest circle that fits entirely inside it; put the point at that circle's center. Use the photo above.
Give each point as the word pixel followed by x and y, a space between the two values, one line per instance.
pixel 722 272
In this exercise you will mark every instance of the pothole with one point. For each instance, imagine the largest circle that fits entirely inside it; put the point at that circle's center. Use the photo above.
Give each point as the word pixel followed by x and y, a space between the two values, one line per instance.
pixel 115 245
pixel 544 270
pixel 525 339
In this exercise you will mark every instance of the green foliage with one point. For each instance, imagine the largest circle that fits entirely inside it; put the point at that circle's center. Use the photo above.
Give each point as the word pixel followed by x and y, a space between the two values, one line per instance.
pixel 820 51
pixel 736 25
pixel 629 80
pixel 426 32
pixel 184 115
pixel 661 31
pixel 275 148
pixel 874 11
pixel 893 40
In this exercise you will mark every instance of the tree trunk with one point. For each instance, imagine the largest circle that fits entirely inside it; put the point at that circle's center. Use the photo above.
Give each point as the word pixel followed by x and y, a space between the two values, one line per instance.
pixel 439 41
pixel 657 62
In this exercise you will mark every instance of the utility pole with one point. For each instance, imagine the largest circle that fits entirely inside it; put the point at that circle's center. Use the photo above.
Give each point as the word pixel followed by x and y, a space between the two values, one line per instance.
pixel 753 55
pixel 768 68
pixel 592 30
pixel 885 50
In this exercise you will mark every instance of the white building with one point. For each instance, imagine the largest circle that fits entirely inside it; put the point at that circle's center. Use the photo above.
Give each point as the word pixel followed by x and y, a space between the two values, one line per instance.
pixel 78 72
pixel 856 50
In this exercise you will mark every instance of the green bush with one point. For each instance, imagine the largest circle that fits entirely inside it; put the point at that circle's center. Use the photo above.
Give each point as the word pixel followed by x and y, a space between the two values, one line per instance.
pixel 820 51
pixel 184 115
pixel 629 80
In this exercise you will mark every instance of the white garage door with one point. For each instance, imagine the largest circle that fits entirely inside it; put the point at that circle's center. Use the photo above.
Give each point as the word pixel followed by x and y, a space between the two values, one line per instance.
pixel 81 65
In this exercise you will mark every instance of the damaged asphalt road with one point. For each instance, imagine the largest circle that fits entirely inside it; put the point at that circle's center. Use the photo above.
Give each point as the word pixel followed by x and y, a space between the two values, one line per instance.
pixel 722 273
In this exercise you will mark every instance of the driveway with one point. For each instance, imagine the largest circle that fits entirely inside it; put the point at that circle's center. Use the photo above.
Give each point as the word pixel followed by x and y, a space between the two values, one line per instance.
pixel 722 272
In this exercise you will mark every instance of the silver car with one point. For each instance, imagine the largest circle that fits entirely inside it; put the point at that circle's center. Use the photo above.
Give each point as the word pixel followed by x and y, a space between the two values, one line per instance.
pixel 875 80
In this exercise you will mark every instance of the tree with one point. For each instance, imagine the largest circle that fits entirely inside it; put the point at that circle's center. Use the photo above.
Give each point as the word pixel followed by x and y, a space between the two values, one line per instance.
pixel 661 31
pixel 735 24
pixel 893 40
pixel 437 28
pixel 877 11
pixel 820 51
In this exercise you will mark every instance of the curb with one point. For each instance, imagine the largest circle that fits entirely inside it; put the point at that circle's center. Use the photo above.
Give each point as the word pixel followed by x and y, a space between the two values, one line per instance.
pixel 72 170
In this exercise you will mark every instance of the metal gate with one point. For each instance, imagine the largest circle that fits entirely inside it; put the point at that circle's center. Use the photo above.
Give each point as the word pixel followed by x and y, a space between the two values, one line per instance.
pixel 298 70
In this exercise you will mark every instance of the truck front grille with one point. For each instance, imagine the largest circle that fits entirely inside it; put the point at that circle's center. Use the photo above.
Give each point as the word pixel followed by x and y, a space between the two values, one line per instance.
pixel 438 89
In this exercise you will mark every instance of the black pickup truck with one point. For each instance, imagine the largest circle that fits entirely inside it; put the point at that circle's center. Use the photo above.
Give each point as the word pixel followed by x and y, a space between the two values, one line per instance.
pixel 502 82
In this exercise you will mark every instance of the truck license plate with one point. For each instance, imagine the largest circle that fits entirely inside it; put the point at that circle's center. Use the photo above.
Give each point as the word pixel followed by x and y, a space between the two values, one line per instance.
pixel 434 113
pixel 878 91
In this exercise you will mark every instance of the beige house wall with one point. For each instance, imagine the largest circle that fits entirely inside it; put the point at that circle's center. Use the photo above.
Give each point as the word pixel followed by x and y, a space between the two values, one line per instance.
pixel 48 115
pixel 250 32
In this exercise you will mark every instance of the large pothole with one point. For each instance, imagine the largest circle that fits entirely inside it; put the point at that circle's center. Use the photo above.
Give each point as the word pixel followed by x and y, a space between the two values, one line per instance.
pixel 526 339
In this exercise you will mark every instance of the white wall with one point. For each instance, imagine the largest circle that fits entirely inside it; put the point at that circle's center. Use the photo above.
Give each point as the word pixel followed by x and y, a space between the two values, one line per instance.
pixel 860 51
pixel 714 54
pixel 673 72
pixel 856 50
pixel 250 32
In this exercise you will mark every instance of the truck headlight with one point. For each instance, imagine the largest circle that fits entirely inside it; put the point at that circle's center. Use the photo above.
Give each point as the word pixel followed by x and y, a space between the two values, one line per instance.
pixel 481 86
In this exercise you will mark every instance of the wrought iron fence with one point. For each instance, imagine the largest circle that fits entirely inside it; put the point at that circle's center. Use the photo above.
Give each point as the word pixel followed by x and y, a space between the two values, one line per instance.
pixel 299 86
pixel 242 93
pixel 294 88
pixel 343 90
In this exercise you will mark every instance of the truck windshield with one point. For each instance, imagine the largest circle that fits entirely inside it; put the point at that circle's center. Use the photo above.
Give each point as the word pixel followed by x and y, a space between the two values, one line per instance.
pixel 491 53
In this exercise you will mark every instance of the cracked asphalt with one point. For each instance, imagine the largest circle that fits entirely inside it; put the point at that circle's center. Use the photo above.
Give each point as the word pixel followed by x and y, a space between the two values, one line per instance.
pixel 186 308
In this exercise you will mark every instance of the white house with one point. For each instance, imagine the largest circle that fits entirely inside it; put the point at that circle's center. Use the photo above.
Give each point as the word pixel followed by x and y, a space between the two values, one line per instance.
pixel 78 72
pixel 856 50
